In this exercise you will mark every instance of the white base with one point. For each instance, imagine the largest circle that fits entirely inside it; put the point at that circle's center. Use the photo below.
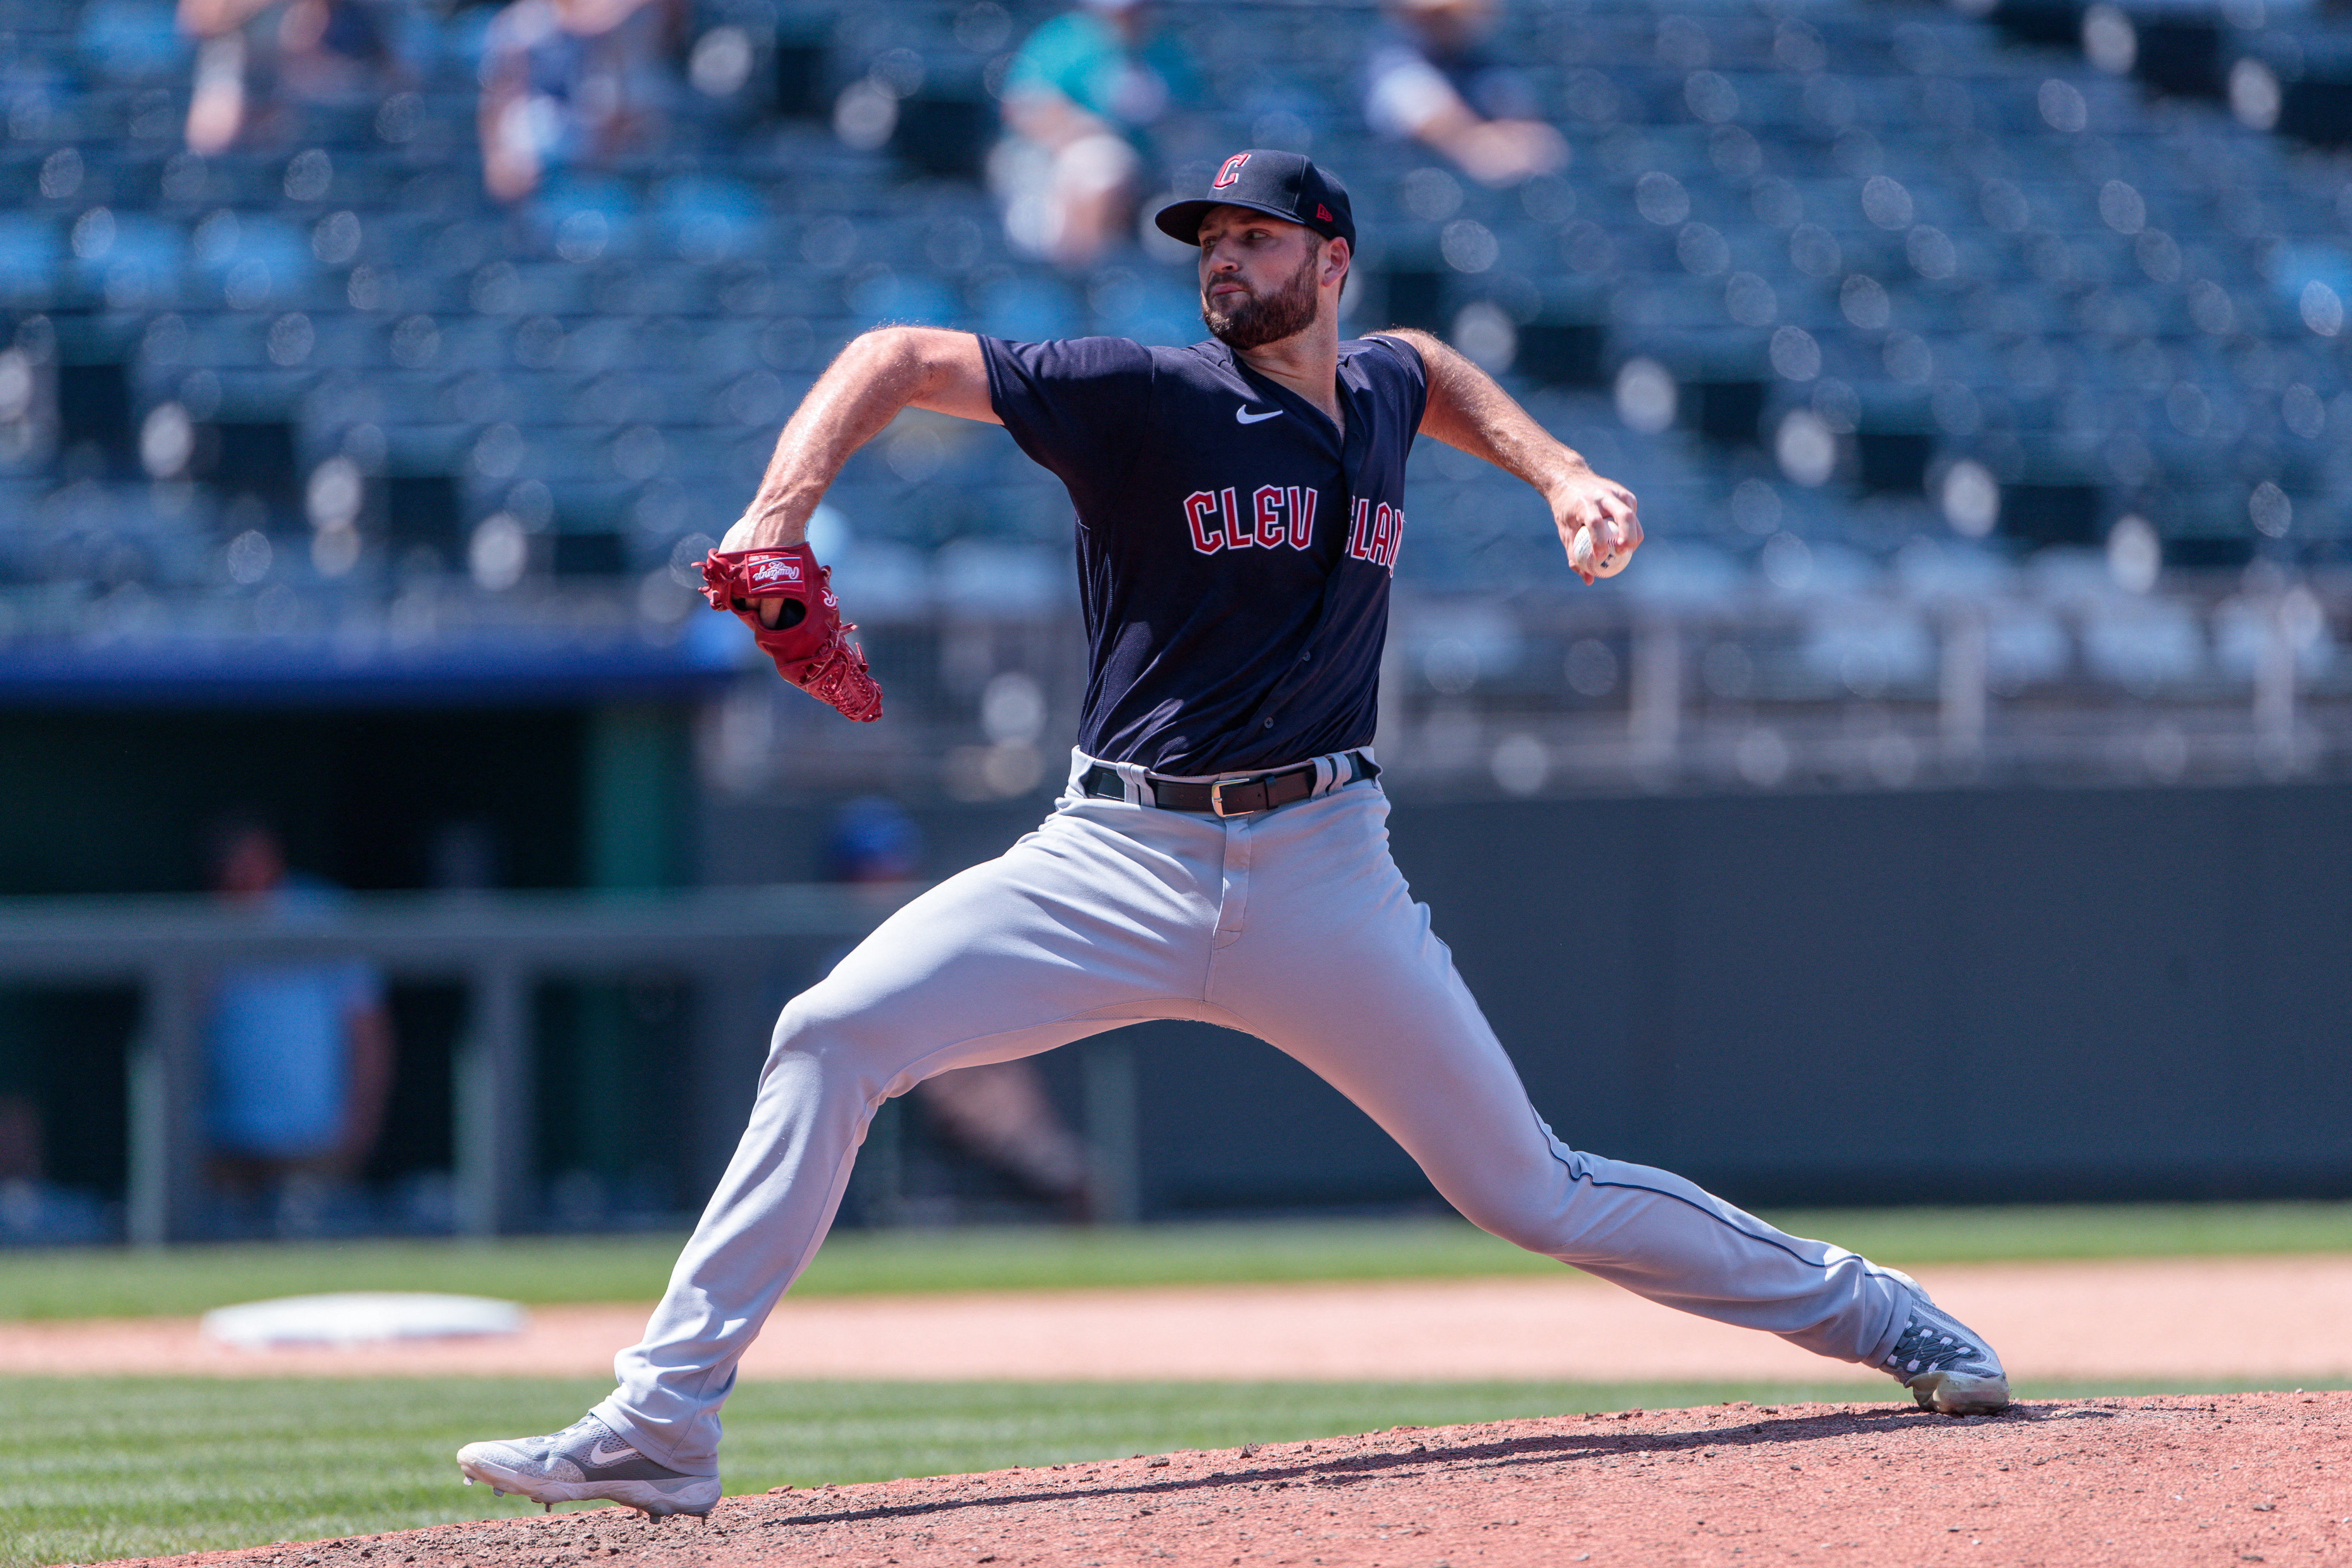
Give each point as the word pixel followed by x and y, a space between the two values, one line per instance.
pixel 360 1317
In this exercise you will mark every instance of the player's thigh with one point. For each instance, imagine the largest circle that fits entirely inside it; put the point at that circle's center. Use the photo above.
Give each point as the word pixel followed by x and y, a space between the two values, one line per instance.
pixel 1360 990
pixel 1411 1051
pixel 1064 935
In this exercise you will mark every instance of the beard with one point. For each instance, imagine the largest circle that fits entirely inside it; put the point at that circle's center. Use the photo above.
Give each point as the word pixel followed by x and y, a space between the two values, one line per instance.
pixel 1258 320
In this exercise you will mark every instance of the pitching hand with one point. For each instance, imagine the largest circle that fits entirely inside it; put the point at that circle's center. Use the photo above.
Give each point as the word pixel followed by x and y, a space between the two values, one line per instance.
pixel 1597 524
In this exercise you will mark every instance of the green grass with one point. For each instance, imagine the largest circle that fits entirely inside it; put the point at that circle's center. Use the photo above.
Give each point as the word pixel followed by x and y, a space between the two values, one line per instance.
pixel 98 1469
pixel 107 1282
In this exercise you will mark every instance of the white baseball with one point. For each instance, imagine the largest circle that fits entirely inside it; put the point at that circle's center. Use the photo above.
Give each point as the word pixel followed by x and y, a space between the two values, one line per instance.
pixel 1579 555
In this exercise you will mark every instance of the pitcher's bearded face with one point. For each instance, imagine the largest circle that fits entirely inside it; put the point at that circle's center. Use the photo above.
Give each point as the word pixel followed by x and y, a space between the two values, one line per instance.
pixel 1259 278
pixel 1244 320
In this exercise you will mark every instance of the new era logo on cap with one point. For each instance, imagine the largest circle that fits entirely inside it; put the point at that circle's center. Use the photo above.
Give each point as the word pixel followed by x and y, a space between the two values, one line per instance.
pixel 1322 212
pixel 1230 173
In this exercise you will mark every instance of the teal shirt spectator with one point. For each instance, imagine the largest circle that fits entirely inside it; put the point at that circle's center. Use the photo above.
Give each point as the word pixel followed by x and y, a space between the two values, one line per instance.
pixel 1082 57
pixel 279 1049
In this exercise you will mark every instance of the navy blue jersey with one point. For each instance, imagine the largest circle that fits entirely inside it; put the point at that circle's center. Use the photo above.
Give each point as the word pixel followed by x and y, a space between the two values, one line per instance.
pixel 1234 551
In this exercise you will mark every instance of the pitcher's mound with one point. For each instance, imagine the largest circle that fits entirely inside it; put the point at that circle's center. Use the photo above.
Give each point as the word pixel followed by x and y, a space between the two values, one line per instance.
pixel 2262 1477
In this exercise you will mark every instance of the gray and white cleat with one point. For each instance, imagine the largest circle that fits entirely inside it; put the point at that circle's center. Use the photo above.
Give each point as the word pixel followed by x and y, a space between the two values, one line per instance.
pixel 585 1462
pixel 1948 1367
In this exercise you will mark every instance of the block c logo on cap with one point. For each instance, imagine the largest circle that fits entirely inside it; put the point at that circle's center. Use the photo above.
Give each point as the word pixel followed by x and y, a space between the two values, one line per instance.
pixel 1230 173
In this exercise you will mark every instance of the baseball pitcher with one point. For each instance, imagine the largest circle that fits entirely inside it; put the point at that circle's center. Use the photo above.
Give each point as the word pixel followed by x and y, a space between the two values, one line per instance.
pixel 1221 852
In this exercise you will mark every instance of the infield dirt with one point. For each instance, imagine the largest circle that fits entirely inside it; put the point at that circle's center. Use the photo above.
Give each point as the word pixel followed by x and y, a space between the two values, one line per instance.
pixel 2256 1477
pixel 2183 1320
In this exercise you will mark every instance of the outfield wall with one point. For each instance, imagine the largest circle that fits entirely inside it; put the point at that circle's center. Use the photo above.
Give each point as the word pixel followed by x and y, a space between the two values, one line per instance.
pixel 1973 996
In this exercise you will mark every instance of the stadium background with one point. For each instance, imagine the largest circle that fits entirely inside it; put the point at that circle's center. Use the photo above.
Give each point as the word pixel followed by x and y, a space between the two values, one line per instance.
pixel 1972 726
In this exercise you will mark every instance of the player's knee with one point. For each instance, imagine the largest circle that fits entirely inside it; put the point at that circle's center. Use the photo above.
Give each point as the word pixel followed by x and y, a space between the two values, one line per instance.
pixel 836 1045
pixel 803 1029
pixel 1533 1206
pixel 1521 1224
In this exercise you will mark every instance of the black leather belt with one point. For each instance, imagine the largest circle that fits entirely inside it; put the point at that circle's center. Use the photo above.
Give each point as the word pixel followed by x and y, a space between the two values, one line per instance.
pixel 1226 797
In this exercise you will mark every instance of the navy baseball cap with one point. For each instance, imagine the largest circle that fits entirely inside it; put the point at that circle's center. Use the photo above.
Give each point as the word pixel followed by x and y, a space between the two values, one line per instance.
pixel 1281 184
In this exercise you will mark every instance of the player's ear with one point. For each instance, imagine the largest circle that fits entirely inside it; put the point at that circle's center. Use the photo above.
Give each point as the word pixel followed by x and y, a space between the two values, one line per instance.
pixel 1336 259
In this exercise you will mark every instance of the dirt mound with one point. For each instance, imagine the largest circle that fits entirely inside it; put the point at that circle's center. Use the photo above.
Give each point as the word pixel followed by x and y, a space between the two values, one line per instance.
pixel 2262 1477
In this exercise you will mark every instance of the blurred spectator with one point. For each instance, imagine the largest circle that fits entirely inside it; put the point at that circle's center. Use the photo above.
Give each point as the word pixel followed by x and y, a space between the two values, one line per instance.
pixel 33 1209
pixel 255 55
pixel 20 1138
pixel 300 1054
pixel 1078 99
pixel 872 841
pixel 569 82
pixel 999 1112
pixel 1427 79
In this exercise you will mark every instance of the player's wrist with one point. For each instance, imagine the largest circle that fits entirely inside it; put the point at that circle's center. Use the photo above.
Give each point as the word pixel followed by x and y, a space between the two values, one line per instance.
pixel 765 530
pixel 1569 482
pixel 783 527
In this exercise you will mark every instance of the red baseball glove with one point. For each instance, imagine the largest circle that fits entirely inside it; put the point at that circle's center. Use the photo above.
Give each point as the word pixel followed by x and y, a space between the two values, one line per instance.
pixel 808 641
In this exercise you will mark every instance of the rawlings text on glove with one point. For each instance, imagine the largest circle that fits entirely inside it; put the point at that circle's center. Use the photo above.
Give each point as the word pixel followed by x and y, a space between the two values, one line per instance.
pixel 808 641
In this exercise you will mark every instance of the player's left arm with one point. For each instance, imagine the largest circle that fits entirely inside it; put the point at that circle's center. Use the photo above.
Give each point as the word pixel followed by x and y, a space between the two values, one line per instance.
pixel 1467 411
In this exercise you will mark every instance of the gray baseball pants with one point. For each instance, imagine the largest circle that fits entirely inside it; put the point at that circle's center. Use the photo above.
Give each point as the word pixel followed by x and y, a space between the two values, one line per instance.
pixel 1293 925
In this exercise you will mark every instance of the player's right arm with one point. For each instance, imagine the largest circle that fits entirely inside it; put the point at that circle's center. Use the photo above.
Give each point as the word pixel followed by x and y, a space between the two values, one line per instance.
pixel 880 374
pixel 1597 524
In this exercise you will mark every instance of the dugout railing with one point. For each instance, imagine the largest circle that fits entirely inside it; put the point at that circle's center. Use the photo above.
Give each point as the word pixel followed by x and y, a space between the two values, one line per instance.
pixel 499 946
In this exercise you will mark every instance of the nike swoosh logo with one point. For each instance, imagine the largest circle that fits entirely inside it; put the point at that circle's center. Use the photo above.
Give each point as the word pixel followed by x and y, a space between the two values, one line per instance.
pixel 600 1455
pixel 1244 416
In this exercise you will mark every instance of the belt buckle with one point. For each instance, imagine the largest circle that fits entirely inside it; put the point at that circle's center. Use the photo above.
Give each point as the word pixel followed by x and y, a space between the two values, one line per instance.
pixel 1217 794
